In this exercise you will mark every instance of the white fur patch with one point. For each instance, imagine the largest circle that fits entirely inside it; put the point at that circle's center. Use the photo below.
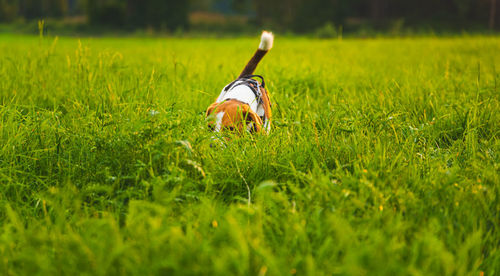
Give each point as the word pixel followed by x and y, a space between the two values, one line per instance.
pixel 241 93
pixel 218 121
pixel 266 41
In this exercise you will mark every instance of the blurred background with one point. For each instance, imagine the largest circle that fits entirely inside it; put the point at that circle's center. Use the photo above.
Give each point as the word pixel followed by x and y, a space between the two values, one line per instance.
pixel 321 18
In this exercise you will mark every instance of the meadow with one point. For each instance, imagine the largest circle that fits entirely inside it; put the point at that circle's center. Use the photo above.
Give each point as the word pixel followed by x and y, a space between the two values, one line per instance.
pixel 383 158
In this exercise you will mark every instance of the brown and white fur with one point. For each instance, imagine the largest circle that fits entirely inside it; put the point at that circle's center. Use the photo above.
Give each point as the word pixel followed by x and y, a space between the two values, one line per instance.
pixel 238 109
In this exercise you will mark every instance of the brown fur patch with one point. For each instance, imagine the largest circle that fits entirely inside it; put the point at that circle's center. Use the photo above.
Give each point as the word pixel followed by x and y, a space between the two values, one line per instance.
pixel 236 116
pixel 266 103
pixel 254 61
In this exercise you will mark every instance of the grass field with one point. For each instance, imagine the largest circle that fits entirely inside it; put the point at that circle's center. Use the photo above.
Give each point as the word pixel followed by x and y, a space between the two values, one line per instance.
pixel 383 159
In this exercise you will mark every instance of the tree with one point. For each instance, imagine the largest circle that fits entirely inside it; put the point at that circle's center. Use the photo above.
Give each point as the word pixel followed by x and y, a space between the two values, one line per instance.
pixel 159 14
pixel 54 8
pixel 493 9
pixel 8 10
pixel 106 12
pixel 31 9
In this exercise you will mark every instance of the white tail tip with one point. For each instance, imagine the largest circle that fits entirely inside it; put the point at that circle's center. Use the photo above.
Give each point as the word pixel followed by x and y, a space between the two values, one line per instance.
pixel 266 41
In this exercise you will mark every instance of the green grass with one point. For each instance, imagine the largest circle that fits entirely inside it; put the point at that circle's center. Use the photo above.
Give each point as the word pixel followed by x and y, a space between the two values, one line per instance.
pixel 383 159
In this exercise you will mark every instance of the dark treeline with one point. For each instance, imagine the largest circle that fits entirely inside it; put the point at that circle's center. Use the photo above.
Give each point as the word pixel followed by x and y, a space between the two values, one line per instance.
pixel 302 16
pixel 286 15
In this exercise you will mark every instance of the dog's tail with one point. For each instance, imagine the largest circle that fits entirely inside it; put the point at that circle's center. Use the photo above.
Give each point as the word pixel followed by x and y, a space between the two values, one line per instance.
pixel 266 43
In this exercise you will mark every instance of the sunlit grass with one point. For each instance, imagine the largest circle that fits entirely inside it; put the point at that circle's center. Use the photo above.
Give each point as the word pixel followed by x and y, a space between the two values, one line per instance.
pixel 383 158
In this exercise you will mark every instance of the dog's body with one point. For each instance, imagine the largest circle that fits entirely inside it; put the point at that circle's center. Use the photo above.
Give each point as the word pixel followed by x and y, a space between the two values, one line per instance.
pixel 244 105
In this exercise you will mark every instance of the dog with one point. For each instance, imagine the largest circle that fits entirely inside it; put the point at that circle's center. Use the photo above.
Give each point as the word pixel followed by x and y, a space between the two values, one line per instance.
pixel 243 105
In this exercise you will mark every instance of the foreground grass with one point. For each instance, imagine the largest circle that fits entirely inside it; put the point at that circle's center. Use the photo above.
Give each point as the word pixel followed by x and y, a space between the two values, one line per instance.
pixel 383 159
